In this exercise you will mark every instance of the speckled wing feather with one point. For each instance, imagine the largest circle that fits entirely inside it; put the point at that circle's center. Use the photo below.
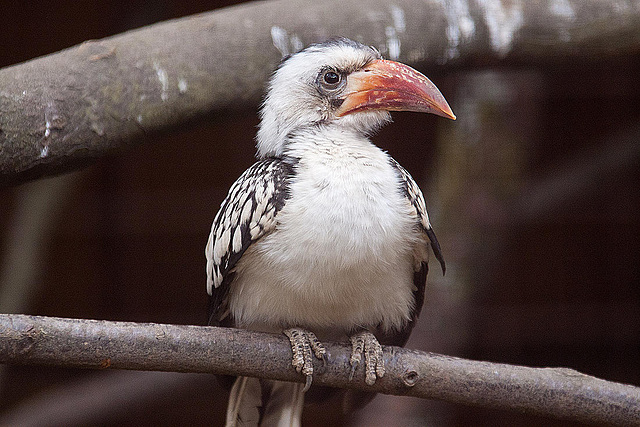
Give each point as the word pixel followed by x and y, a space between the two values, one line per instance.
pixel 247 213
pixel 413 193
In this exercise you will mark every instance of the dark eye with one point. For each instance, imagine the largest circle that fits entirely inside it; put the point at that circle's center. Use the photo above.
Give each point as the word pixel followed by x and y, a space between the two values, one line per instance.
pixel 331 78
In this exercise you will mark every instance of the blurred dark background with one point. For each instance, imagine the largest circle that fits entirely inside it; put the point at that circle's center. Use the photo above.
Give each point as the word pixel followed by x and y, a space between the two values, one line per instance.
pixel 533 191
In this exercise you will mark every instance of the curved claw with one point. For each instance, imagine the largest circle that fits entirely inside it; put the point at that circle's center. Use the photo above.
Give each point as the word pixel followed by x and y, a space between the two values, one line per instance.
pixel 307 383
pixel 353 369
pixel 304 346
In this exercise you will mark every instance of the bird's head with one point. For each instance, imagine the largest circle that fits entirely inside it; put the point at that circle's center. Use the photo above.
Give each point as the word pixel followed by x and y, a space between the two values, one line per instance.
pixel 342 82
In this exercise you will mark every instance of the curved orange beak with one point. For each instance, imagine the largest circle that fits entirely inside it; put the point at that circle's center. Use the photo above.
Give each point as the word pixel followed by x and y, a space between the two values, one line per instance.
pixel 391 86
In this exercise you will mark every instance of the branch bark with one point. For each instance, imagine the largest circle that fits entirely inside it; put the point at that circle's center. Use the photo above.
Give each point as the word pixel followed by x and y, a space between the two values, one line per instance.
pixel 553 392
pixel 64 110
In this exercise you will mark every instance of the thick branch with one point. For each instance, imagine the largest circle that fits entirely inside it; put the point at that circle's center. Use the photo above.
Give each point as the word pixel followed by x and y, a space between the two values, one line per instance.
pixel 63 110
pixel 559 392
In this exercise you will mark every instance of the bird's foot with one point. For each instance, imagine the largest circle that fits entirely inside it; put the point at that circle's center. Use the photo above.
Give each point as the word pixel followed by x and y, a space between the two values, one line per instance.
pixel 365 342
pixel 303 344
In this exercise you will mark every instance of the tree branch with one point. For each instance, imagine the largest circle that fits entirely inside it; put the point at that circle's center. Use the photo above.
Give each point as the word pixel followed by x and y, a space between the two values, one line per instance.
pixel 64 110
pixel 558 392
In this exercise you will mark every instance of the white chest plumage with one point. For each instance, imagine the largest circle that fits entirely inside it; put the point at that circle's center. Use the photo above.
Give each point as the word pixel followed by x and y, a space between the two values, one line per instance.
pixel 342 253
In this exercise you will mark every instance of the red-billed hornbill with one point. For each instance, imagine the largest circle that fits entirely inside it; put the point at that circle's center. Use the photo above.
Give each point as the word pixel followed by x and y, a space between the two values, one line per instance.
pixel 326 234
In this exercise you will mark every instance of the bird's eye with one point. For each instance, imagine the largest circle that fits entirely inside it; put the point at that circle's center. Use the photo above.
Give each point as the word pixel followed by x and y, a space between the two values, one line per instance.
pixel 331 78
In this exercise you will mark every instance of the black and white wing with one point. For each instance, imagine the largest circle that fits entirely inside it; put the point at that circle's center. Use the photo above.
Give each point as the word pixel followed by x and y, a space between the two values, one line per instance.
pixel 247 213
pixel 414 195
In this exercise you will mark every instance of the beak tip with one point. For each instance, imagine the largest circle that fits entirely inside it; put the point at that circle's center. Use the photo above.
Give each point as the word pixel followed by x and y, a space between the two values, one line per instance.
pixel 447 114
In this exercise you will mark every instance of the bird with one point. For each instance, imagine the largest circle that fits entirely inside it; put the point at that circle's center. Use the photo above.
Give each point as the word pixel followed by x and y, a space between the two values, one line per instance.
pixel 326 236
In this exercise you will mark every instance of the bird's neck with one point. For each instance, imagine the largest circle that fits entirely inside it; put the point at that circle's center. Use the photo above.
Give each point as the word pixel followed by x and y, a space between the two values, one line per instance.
pixel 327 140
pixel 276 137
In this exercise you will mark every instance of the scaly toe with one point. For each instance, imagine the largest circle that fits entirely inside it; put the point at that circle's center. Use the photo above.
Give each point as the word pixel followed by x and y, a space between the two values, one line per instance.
pixel 304 346
pixel 365 342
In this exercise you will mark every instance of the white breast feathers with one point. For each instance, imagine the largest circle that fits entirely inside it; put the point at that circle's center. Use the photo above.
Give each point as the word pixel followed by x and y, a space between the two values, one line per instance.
pixel 342 254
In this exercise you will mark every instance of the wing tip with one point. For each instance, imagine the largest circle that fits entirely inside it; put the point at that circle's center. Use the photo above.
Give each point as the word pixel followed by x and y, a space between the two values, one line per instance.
pixel 435 246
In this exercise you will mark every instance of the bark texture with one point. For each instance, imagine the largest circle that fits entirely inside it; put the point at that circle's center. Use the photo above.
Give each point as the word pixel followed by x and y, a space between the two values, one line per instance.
pixel 64 110
pixel 552 392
